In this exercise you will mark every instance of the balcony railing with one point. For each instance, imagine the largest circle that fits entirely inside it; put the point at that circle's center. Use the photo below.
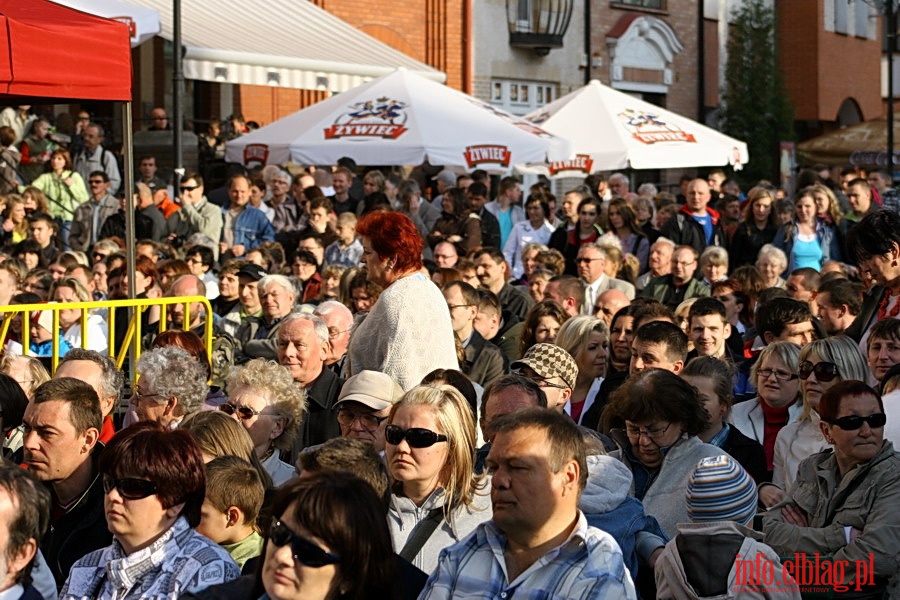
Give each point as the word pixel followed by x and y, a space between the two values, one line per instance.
pixel 538 24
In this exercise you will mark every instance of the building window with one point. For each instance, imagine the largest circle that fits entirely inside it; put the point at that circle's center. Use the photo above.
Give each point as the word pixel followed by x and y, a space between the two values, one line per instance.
pixel 840 16
pixel 654 4
pixel 520 97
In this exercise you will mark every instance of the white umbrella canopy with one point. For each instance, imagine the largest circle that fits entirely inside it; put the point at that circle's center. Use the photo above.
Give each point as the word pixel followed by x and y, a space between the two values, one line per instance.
pixel 400 119
pixel 611 130
pixel 143 22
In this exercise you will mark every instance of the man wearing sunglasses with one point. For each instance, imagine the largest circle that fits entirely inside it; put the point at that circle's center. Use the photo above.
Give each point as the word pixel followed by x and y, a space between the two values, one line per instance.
pixel 90 216
pixel 539 469
pixel 196 215
pixel 364 404
pixel 62 429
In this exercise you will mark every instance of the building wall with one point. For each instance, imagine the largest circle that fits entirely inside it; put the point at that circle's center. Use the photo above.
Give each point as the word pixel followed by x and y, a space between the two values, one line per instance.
pixel 496 61
pixel 823 68
pixel 681 92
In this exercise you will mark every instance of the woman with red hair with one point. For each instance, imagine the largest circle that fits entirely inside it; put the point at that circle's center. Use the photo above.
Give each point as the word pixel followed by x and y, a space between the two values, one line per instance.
pixel 407 333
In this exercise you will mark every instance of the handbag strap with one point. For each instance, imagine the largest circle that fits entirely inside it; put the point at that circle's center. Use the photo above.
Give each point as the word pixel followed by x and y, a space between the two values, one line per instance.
pixel 421 534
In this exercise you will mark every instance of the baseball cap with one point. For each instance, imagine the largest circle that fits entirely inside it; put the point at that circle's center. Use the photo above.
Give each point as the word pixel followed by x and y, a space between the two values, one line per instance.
pixel 252 270
pixel 447 176
pixel 549 361
pixel 371 388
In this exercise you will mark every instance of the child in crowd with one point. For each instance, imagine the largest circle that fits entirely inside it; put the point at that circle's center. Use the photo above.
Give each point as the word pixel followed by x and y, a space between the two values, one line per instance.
pixel 706 557
pixel 234 495
pixel 347 250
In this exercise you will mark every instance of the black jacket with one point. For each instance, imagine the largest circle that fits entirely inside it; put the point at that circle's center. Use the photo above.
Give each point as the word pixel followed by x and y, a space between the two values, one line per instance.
pixel 684 230
pixel 80 530
pixel 484 361
pixel 749 453
pixel 320 423
pixel 866 313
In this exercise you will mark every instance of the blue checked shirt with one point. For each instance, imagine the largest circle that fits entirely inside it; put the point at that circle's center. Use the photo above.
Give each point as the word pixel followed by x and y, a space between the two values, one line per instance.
pixel 587 565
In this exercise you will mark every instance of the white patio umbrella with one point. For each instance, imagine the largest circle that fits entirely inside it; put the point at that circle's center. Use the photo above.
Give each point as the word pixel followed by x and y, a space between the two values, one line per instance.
pixel 400 119
pixel 611 130
pixel 143 23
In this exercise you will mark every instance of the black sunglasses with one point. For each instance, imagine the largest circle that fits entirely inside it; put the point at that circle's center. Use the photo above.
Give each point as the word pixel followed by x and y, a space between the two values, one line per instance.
pixel 825 371
pixel 188 188
pixel 416 437
pixel 854 422
pixel 303 549
pixel 130 488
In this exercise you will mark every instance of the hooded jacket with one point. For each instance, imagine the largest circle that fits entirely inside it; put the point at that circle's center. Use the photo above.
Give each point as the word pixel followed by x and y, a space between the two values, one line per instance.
pixel 606 504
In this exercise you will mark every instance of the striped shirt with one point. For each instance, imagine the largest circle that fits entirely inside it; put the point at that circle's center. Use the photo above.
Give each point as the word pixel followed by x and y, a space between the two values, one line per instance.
pixel 587 565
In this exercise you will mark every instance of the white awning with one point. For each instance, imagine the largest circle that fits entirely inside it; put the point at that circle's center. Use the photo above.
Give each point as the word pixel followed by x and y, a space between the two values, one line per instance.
pixel 143 23
pixel 281 43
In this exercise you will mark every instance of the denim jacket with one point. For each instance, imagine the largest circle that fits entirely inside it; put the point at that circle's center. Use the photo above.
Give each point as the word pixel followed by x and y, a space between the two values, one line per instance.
pixel 251 228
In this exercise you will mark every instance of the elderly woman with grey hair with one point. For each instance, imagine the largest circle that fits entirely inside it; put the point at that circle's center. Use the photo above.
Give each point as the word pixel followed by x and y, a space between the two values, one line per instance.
pixel 172 385
pixel 264 399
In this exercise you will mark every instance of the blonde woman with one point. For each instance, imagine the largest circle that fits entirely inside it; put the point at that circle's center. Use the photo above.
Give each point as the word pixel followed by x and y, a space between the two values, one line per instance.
pixel 70 289
pixel 586 338
pixel 265 400
pixel 823 364
pixel 430 449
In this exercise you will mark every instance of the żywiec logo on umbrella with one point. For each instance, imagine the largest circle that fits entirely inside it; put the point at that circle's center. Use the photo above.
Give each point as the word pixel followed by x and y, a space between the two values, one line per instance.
pixel 487 154
pixel 648 128
pixel 382 118
pixel 256 154
pixel 580 163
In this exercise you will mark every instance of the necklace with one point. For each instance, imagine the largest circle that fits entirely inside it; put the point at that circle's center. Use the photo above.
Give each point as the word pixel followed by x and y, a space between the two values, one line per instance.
pixel 883 307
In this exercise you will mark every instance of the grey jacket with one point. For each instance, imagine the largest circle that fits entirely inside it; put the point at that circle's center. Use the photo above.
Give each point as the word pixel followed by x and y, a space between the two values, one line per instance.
pixel 866 498
pixel 680 574
pixel 665 499
pixel 404 515
pixel 204 217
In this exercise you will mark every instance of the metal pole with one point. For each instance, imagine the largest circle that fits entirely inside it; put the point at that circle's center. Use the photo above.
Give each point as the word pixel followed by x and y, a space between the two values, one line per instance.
pixel 177 92
pixel 589 60
pixel 130 236
pixel 891 38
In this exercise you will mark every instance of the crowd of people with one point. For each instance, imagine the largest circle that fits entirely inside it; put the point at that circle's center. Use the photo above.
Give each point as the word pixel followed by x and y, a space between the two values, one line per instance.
pixel 443 387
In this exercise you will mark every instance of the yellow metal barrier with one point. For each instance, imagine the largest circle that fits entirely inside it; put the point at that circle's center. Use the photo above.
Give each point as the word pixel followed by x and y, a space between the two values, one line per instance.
pixel 132 333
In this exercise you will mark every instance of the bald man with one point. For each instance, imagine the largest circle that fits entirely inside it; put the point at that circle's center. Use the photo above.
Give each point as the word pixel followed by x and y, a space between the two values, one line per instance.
pixel 696 224
pixel 608 304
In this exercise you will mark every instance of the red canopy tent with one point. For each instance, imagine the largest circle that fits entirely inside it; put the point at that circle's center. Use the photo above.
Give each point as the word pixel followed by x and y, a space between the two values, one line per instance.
pixel 51 51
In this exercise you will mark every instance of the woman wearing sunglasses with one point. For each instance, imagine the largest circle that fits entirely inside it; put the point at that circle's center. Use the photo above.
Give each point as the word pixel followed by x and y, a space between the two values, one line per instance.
pixel 823 364
pixel 778 398
pixel 265 400
pixel 844 502
pixel 437 498
pixel 155 484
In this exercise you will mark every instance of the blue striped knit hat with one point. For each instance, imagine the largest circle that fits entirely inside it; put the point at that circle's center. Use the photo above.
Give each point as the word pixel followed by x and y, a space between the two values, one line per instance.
pixel 721 490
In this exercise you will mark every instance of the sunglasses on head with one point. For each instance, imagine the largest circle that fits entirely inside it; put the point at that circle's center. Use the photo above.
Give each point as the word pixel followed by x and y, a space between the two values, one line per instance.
pixel 303 549
pixel 854 422
pixel 416 437
pixel 825 371
pixel 244 412
pixel 130 488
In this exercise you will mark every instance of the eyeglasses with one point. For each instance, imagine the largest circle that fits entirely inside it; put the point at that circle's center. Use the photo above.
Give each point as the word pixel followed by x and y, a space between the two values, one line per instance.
pixel 303 549
pixel 854 422
pixel 243 412
pixel 683 263
pixel 100 255
pixel 452 306
pixel 779 375
pixel 540 380
pixel 825 371
pixel 369 421
pixel 651 434
pixel 416 437
pixel 188 188
pixel 137 396
pixel 333 333
pixel 130 488
pixel 586 260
